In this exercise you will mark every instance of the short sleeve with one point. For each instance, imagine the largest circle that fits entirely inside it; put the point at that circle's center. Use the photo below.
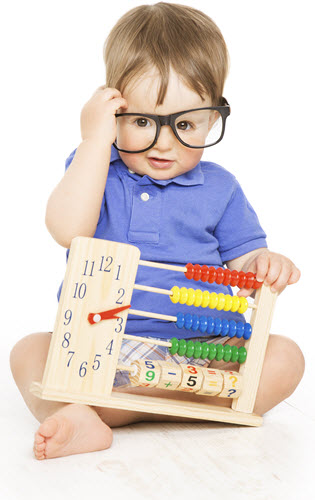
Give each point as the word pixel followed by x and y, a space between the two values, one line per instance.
pixel 67 164
pixel 239 231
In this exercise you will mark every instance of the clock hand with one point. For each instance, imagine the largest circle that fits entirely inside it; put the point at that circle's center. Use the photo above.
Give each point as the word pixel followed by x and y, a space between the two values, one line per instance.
pixel 110 314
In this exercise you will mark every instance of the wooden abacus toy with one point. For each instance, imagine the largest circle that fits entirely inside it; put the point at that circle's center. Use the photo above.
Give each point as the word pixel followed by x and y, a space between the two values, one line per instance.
pixel 89 329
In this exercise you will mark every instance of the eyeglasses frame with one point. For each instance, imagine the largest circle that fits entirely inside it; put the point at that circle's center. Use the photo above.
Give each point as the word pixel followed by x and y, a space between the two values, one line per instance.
pixel 161 120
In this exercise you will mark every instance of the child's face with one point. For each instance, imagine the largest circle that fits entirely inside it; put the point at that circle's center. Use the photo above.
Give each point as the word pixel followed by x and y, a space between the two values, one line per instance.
pixel 141 97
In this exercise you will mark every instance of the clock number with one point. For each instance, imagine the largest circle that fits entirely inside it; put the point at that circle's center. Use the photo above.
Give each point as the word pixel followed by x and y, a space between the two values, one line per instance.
pixel 97 361
pixel 110 347
pixel 68 316
pixel 82 371
pixel 118 273
pixel 66 342
pixel 107 267
pixel 86 266
pixel 119 326
pixel 70 352
pixel 80 290
pixel 122 292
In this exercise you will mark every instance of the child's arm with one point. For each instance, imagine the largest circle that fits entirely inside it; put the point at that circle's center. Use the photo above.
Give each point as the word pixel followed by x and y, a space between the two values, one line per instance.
pixel 274 269
pixel 74 205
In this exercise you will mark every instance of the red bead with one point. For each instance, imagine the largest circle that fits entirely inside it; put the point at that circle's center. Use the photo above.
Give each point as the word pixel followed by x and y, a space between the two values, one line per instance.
pixel 257 284
pixel 241 279
pixel 197 272
pixel 234 278
pixel 250 279
pixel 212 274
pixel 190 271
pixel 227 277
pixel 220 276
pixel 204 273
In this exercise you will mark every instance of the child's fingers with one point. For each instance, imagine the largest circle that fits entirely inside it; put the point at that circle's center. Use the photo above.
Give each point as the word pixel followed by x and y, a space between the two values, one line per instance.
pixel 279 284
pixel 295 276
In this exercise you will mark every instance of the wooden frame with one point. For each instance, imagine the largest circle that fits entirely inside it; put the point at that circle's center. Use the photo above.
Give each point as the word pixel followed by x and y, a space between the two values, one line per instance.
pixel 83 357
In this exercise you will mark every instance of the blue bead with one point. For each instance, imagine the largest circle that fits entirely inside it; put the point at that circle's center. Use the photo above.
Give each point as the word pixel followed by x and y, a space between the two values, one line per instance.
pixel 195 323
pixel 232 329
pixel 188 321
pixel 210 326
pixel 180 320
pixel 203 323
pixel 217 326
pixel 239 329
pixel 225 327
pixel 247 331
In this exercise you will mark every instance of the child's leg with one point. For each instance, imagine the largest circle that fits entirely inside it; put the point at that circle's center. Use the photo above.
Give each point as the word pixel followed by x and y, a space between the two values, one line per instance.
pixel 282 371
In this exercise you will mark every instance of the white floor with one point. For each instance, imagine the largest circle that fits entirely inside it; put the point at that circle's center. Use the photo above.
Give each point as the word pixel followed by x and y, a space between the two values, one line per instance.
pixel 272 462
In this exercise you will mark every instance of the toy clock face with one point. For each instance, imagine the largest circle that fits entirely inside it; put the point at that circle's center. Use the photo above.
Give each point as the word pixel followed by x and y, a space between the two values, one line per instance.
pixel 85 347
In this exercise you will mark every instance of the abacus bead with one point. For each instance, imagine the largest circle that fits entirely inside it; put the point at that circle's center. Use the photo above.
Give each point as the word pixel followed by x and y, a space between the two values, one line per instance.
pixel 227 353
pixel 183 295
pixel 197 272
pixel 232 329
pixel 241 279
pixel 175 295
pixel 191 297
pixel 210 327
pixel 204 273
pixel 242 354
pixel 212 351
pixel 221 301
pixel 212 274
pixel 220 352
pixel 190 271
pixel 250 279
pixel 213 300
pixel 195 323
pixel 175 344
pixel 189 349
pixel 198 298
pixel 257 284
pixel 239 329
pixel 247 331
pixel 217 326
pixel 235 303
pixel 180 320
pixel 234 356
pixel 243 305
pixel 182 347
pixel 228 303
pixel 205 350
pixel 205 298
pixel 234 278
pixel 197 350
pixel 188 321
pixel 225 327
pixel 220 276
pixel 203 323
pixel 227 277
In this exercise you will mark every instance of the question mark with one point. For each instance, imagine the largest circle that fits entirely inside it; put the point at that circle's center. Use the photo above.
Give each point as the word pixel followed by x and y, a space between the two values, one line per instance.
pixel 231 391
pixel 233 381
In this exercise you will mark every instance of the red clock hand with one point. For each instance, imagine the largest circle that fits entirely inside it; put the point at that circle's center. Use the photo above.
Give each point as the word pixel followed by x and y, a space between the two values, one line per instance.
pixel 110 314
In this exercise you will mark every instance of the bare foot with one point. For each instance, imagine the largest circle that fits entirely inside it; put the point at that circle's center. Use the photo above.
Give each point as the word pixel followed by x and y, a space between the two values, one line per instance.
pixel 75 428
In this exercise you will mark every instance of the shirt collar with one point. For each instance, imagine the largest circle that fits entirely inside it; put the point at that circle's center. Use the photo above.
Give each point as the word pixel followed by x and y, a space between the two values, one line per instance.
pixel 191 178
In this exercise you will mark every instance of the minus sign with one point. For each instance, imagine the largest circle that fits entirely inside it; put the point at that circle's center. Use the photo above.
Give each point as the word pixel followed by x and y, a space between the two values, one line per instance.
pixel 170 373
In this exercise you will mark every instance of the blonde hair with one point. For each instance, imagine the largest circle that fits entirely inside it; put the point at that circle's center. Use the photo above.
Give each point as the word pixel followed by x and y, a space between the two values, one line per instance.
pixel 164 35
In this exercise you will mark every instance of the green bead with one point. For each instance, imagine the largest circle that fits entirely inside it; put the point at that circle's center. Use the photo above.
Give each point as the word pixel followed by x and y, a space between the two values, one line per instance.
pixel 182 347
pixel 227 353
pixel 220 352
pixel 190 349
pixel 205 350
pixel 212 351
pixel 175 344
pixel 242 354
pixel 197 350
pixel 234 356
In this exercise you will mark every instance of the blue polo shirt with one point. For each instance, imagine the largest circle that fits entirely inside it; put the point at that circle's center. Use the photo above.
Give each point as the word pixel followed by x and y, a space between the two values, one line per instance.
pixel 201 216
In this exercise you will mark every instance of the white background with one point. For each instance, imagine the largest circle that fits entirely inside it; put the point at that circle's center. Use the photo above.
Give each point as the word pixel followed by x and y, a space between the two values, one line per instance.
pixel 51 62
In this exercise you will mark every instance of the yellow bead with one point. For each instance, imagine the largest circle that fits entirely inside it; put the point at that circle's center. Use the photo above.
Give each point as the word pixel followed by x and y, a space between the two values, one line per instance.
pixel 221 301
pixel 235 303
pixel 243 305
pixel 176 294
pixel 228 302
pixel 198 298
pixel 213 300
pixel 183 295
pixel 191 297
pixel 205 298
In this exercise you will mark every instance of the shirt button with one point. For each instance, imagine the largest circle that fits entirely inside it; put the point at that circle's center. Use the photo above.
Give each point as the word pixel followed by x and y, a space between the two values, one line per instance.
pixel 145 197
pixel 130 171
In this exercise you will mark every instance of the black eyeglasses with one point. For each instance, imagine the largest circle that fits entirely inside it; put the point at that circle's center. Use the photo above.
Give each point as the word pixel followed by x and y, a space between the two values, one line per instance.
pixel 194 128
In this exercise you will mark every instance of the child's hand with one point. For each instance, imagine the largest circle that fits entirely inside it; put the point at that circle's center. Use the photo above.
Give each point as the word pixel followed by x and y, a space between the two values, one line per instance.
pixel 98 121
pixel 273 269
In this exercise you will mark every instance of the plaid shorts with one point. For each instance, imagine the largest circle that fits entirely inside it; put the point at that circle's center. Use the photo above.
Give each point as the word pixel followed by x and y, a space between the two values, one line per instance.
pixel 131 350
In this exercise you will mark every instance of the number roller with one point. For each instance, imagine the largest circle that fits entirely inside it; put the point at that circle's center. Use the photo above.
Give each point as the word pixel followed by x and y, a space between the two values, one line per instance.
pixel 90 324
